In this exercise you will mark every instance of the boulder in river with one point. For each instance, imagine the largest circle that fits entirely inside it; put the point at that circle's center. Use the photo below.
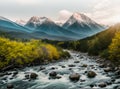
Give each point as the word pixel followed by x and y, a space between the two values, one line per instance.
pixel 71 65
pixel 10 86
pixel 53 74
pixel 74 77
pixel 15 73
pixel 102 85
pixel 76 61
pixel 84 65
pixel 108 69
pixel 91 74
pixel 41 68
pixel 33 75
pixel 27 76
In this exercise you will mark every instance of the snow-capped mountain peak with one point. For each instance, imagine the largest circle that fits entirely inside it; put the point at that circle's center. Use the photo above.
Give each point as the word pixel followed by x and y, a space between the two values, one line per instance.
pixel 80 18
pixel 38 20
pixel 77 16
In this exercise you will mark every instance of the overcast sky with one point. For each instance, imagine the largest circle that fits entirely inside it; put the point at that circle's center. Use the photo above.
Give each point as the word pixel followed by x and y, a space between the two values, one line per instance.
pixel 102 11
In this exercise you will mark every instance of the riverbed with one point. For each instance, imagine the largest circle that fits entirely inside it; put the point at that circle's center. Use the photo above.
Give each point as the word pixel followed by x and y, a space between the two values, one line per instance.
pixel 78 63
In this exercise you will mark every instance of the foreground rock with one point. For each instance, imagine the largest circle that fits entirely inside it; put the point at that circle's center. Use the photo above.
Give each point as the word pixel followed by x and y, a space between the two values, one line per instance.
pixel 102 85
pixel 10 86
pixel 84 65
pixel 33 76
pixel 108 69
pixel 53 74
pixel 71 65
pixel 91 74
pixel 74 77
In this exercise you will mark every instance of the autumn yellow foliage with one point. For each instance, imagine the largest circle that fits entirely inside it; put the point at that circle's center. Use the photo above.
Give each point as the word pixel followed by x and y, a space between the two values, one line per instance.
pixel 114 48
pixel 19 52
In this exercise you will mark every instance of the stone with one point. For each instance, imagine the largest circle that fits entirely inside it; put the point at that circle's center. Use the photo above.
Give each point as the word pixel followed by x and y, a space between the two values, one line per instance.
pixel 84 65
pixel 76 61
pixel 53 74
pixel 27 76
pixel 102 85
pixel 58 77
pixel 74 77
pixel 91 74
pixel 33 76
pixel 41 68
pixel 108 69
pixel 71 65
pixel 63 66
pixel 10 86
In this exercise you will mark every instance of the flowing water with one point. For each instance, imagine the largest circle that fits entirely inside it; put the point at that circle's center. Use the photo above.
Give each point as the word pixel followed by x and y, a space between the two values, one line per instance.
pixel 63 69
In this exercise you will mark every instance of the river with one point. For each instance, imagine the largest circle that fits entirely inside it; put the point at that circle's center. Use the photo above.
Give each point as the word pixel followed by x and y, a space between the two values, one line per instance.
pixel 63 69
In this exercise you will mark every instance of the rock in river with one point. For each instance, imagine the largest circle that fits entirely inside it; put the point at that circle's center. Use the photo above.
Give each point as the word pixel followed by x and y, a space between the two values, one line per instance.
pixel 91 74
pixel 33 75
pixel 74 77
pixel 10 86
pixel 53 74
pixel 108 69
pixel 102 85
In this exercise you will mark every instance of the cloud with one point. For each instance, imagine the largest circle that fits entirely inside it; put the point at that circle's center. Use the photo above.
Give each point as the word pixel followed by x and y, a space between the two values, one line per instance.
pixel 106 12
pixel 64 15
pixel 27 2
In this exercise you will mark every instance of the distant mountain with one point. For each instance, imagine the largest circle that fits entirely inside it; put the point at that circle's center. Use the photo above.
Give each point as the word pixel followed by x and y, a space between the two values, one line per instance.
pixel 80 23
pixel 13 29
pixel 77 27
pixel 44 24
pixel 8 25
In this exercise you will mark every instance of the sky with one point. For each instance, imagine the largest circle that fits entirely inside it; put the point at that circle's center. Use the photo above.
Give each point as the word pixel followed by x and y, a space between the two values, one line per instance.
pixel 102 11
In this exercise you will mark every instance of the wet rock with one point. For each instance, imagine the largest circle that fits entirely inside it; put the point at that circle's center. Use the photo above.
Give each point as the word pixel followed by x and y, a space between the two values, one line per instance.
pixel 58 77
pixel 102 85
pixel 63 66
pixel 27 76
pixel 91 85
pixel 15 73
pixel 86 71
pixel 82 80
pixel 71 65
pixel 91 74
pixel 53 68
pixel 76 61
pixel 53 74
pixel 41 68
pixel 33 76
pixel 108 69
pixel 74 77
pixel 84 65
pixel 10 86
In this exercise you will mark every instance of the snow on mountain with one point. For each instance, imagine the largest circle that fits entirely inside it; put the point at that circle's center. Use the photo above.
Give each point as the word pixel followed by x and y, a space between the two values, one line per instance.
pixel 21 22
pixel 79 18
pixel 80 23
pixel 77 27
pixel 36 20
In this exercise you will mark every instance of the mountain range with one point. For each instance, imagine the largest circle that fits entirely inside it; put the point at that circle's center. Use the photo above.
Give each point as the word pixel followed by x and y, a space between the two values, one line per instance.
pixel 78 26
